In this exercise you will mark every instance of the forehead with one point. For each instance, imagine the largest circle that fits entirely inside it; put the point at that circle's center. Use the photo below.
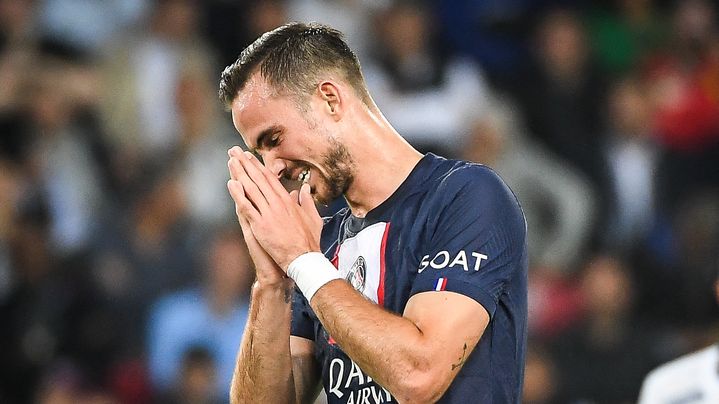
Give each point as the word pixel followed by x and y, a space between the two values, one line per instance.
pixel 251 108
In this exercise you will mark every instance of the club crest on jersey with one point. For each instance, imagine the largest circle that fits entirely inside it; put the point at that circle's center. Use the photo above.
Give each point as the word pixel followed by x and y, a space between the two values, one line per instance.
pixel 357 275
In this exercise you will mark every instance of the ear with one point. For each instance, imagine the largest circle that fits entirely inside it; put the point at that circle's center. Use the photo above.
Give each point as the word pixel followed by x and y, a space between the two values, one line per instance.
pixel 332 99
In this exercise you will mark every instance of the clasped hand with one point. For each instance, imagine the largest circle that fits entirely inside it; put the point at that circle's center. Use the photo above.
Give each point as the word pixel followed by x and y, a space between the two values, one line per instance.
pixel 278 226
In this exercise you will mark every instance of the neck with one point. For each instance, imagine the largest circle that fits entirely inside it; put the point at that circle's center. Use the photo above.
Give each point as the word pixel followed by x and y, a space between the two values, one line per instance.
pixel 383 160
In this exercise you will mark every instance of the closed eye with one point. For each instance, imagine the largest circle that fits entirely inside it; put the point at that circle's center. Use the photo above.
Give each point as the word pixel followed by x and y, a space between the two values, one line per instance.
pixel 274 141
pixel 269 137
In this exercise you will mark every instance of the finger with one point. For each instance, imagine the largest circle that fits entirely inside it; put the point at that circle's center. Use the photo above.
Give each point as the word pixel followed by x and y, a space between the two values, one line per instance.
pixel 234 151
pixel 254 194
pixel 236 169
pixel 251 190
pixel 252 171
pixel 295 196
pixel 233 166
pixel 262 175
pixel 247 233
pixel 307 203
pixel 243 207
pixel 272 179
pixel 250 239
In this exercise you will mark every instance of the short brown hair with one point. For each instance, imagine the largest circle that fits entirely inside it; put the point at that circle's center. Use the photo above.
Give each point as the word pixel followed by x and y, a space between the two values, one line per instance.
pixel 290 58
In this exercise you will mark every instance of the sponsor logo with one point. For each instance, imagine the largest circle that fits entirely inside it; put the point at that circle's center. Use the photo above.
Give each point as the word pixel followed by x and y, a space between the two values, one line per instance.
pixel 443 259
pixel 350 383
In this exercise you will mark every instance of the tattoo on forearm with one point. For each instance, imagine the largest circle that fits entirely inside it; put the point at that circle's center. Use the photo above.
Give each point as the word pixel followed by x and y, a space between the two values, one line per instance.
pixel 461 360
pixel 288 294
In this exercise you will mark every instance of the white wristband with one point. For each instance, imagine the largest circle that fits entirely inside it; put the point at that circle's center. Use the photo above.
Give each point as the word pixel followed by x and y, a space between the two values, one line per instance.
pixel 311 271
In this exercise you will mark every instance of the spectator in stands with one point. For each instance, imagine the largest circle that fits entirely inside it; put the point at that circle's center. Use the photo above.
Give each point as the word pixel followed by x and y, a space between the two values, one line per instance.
pixel 353 17
pixel 201 153
pixel 197 380
pixel 626 34
pixel 232 25
pixel 684 86
pixel 557 200
pixel 604 359
pixel 696 230
pixel 212 316
pixel 493 33
pixel 632 155
pixel 68 171
pixel 432 99
pixel 562 96
pixel 146 251
pixel 540 377
pixel 142 72
pixel 690 378
pixel 88 25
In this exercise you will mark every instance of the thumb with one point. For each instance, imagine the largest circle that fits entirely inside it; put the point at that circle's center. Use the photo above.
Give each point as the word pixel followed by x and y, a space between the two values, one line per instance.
pixel 310 215
pixel 307 203
pixel 295 196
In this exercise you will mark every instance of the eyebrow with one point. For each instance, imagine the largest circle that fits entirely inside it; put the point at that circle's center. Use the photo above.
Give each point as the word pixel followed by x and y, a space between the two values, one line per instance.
pixel 263 139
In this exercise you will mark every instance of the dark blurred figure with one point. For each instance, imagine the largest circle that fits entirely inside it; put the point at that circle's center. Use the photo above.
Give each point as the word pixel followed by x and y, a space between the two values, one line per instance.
pixel 556 199
pixel 19 46
pixel 636 226
pixel 141 75
pixel 53 191
pixel 230 25
pixel 64 383
pixel 146 251
pixel 625 34
pixel 197 380
pixel 89 25
pixel 211 316
pixel 697 239
pixel 354 18
pixel 632 154
pixel 604 359
pixel 684 85
pixel 29 307
pixel 492 32
pixel 541 381
pixel 62 152
pixel 690 378
pixel 431 98
pixel 201 153
pixel 562 95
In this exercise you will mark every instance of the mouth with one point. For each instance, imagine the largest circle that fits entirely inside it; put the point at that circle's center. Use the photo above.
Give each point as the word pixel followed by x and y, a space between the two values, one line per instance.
pixel 304 176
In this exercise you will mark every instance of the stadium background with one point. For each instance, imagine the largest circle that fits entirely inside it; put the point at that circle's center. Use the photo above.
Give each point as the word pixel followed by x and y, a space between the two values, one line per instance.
pixel 122 275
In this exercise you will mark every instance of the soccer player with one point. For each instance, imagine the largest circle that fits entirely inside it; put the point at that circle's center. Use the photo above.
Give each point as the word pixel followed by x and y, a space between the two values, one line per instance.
pixel 692 378
pixel 416 293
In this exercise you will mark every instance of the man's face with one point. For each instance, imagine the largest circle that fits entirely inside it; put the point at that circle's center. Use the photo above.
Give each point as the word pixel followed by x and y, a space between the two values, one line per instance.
pixel 295 145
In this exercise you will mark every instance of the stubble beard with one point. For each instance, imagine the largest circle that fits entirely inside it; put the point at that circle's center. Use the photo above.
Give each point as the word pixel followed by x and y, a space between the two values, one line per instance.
pixel 340 171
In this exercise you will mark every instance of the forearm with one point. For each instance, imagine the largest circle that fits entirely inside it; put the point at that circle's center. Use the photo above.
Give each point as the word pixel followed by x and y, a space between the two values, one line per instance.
pixel 388 347
pixel 263 372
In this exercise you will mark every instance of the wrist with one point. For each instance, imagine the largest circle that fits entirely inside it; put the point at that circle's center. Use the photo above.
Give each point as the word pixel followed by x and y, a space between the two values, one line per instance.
pixel 271 285
pixel 311 271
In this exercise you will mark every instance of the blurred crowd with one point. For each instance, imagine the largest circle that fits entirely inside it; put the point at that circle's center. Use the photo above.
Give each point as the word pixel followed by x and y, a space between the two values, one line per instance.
pixel 123 275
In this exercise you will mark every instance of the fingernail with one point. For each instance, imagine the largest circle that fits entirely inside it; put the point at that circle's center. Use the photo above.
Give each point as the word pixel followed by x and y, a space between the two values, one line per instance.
pixel 248 155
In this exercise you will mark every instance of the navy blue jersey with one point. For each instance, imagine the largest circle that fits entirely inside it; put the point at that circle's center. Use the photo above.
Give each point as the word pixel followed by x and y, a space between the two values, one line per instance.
pixel 451 225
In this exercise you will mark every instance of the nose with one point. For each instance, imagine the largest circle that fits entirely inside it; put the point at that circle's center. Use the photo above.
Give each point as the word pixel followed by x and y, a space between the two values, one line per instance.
pixel 276 165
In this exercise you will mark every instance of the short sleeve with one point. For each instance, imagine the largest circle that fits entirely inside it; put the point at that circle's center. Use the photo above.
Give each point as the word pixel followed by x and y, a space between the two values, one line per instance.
pixel 302 324
pixel 476 243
